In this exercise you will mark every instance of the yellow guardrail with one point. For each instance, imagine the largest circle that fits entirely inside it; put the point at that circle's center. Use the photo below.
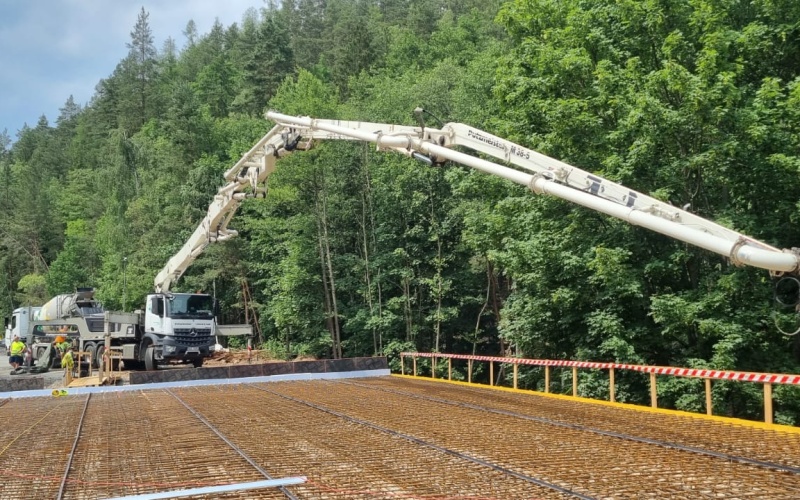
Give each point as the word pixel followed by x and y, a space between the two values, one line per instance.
pixel 767 379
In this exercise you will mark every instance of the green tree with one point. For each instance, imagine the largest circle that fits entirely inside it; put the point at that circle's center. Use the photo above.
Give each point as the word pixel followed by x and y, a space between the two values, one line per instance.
pixel 140 69
pixel 32 290
pixel 76 263
pixel 268 61
pixel 673 100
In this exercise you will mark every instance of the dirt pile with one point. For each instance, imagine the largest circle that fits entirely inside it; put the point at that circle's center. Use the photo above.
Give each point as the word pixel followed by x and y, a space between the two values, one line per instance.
pixel 238 357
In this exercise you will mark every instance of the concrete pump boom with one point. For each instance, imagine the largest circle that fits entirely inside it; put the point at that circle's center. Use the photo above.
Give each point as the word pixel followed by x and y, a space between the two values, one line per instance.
pixel 540 173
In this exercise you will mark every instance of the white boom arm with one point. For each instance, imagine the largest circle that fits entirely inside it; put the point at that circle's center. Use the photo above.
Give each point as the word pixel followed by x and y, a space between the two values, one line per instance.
pixel 540 173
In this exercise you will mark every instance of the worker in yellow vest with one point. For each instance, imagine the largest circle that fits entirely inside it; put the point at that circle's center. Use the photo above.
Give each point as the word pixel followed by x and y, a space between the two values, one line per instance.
pixel 15 352
pixel 68 364
pixel 61 344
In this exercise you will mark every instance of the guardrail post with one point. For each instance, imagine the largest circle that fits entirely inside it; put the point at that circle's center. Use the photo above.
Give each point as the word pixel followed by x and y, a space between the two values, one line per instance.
pixel 433 367
pixel 709 409
pixel 768 403
pixel 546 379
pixel 611 393
pixel 653 391
pixel 449 368
pixel 575 381
pixel 415 365
pixel 469 371
pixel 491 373
pixel 402 365
pixel 516 373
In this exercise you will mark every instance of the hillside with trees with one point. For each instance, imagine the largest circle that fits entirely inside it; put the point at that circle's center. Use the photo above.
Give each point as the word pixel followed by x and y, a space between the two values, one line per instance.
pixel 357 252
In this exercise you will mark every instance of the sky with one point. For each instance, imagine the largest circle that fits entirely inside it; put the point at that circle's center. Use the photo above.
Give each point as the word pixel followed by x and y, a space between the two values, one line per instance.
pixel 51 49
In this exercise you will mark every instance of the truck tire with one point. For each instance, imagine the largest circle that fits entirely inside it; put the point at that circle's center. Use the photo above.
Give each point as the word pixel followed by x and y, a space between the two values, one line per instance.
pixel 90 347
pixel 150 359
pixel 97 357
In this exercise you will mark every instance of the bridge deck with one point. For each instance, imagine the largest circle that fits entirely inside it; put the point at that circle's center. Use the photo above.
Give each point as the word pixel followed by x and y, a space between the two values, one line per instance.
pixel 381 437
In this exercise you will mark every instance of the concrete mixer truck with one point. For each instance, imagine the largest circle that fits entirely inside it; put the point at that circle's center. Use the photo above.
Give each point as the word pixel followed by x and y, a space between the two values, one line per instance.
pixel 173 328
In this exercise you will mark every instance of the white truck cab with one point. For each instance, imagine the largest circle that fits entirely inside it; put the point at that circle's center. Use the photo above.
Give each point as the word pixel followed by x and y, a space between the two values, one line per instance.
pixel 181 326
pixel 18 323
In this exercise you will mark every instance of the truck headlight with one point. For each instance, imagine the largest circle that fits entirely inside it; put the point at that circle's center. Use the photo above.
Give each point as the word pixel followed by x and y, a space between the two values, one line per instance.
pixel 169 349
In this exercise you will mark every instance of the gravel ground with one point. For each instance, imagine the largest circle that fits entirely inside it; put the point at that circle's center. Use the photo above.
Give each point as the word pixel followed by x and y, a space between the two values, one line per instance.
pixel 52 378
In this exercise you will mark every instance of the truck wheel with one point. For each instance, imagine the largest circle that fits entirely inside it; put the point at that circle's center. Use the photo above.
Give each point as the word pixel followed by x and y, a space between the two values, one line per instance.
pixel 89 347
pixel 197 362
pixel 97 357
pixel 150 359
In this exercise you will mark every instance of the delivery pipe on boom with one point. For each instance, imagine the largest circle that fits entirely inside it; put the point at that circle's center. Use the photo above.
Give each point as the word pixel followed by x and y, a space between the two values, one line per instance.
pixel 536 171
pixel 741 249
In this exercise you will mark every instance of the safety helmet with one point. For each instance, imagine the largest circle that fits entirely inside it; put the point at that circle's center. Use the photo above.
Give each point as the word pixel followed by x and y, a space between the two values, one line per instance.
pixel 60 339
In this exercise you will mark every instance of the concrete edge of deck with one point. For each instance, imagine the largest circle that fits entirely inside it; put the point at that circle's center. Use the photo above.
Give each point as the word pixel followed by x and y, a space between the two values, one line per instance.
pixel 194 383
pixel 623 406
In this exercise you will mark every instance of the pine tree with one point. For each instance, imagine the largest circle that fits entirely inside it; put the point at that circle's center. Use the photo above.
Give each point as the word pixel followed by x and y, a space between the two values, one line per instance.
pixel 69 112
pixel 190 32
pixel 269 61
pixel 142 65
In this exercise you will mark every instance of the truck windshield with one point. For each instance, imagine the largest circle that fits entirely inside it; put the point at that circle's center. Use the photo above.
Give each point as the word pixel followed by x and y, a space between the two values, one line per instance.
pixel 191 306
pixel 90 311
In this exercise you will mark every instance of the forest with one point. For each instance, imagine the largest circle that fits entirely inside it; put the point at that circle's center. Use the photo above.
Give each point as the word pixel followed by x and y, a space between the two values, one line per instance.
pixel 356 252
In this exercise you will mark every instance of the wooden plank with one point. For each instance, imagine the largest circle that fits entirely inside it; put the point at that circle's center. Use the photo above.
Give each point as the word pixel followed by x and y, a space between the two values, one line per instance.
pixel 547 379
pixel 516 374
pixel 575 381
pixel 653 391
pixel 612 396
pixel 709 409
pixel 768 403
pixel 88 381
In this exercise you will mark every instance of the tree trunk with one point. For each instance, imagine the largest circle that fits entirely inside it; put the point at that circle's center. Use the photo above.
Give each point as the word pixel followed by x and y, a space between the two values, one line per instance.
pixel 407 309
pixel 326 248
pixel 483 308
pixel 325 293
pixel 377 280
pixel 438 322
pixel 496 301
pixel 438 264
pixel 365 212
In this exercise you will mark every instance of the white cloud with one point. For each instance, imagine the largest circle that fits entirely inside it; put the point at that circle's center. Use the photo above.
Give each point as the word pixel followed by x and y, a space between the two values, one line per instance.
pixel 51 49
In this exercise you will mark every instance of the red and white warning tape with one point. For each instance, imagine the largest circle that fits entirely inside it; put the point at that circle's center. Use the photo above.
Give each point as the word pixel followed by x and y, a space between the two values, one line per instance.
pixel 766 378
